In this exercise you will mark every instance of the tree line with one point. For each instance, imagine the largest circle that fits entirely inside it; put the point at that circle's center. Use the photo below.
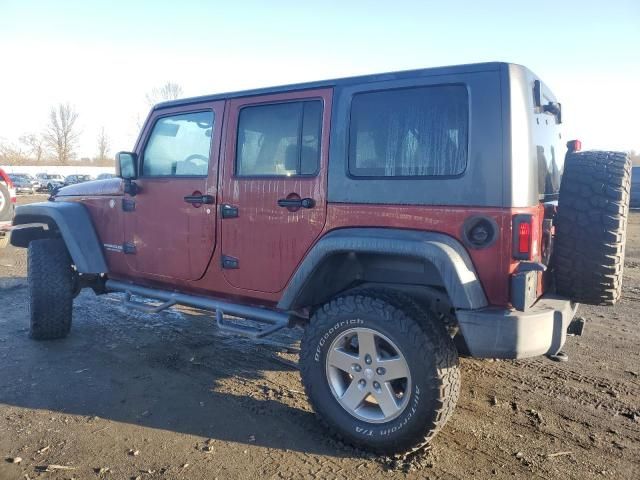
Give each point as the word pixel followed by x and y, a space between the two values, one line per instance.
pixel 58 142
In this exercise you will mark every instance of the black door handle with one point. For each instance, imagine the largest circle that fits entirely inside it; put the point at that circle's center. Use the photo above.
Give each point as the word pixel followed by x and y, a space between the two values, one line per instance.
pixel 199 199
pixel 297 202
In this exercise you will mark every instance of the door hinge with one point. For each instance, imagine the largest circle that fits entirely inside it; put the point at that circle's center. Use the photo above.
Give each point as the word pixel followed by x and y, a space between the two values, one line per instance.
pixel 228 211
pixel 128 205
pixel 129 247
pixel 229 263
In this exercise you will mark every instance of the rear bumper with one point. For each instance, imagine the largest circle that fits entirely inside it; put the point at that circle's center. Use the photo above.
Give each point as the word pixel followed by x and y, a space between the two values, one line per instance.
pixel 500 333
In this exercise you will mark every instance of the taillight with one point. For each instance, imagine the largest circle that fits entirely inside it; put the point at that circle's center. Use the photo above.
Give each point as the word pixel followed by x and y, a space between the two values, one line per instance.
pixel 574 146
pixel 522 236
pixel 524 240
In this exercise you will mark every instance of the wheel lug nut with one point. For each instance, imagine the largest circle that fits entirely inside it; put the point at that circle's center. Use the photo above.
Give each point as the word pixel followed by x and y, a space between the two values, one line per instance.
pixel 380 371
pixel 367 359
pixel 376 385
pixel 362 383
pixel 357 367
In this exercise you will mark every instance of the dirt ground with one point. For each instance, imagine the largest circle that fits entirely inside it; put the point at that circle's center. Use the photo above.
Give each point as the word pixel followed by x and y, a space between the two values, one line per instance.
pixel 128 395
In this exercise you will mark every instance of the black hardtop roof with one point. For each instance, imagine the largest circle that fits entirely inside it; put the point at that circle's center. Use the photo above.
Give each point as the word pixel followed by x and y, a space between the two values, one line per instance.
pixel 376 77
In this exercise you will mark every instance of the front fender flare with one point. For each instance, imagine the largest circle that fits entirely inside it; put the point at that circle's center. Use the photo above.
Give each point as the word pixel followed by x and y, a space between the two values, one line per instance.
pixel 445 253
pixel 69 220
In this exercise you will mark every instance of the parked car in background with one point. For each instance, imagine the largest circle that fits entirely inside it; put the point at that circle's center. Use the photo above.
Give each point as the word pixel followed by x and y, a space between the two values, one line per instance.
pixel 49 181
pixel 105 176
pixel 35 183
pixel 74 179
pixel 22 183
pixel 7 202
pixel 635 187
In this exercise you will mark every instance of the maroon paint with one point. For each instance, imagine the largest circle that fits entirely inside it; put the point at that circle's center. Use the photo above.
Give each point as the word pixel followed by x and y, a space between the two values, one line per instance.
pixel 173 239
pixel 269 240
pixel 177 242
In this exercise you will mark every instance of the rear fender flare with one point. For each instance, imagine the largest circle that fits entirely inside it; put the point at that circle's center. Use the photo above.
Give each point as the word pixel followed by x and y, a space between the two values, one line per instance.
pixel 446 254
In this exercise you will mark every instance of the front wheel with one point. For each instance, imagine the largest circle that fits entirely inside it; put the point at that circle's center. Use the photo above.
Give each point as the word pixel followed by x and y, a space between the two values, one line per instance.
pixel 380 371
pixel 51 285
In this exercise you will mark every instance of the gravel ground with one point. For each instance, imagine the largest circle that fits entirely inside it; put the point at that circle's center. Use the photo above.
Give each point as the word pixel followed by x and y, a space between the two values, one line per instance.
pixel 128 395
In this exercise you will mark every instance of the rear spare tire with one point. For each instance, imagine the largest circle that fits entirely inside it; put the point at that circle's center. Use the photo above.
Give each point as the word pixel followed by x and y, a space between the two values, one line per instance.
pixel 591 224
pixel 51 288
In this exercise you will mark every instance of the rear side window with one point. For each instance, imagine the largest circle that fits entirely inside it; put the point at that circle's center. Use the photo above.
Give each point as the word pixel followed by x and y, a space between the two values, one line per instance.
pixel 279 139
pixel 413 132
pixel 179 145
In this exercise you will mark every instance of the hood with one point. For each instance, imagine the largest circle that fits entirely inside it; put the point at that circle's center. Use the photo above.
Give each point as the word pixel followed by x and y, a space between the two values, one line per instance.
pixel 110 186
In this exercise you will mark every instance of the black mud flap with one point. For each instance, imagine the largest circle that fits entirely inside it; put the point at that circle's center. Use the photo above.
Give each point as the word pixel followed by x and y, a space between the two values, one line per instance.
pixel 576 327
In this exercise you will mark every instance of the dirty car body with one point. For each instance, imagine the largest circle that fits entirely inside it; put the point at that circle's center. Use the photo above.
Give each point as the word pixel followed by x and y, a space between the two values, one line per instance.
pixel 428 193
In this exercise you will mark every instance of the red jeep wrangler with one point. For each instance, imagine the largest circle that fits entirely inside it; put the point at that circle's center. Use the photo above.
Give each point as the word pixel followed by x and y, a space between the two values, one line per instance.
pixel 401 218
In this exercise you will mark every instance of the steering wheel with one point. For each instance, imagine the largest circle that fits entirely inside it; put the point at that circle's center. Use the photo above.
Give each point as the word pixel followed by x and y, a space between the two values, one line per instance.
pixel 190 163
pixel 196 156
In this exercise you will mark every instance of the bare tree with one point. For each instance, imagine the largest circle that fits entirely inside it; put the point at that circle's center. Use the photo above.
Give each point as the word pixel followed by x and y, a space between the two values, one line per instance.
pixel 61 134
pixel 11 154
pixel 103 145
pixel 36 146
pixel 168 91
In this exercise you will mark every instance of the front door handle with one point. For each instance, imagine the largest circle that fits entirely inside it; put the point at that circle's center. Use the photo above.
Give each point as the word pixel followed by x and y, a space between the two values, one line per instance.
pixel 297 202
pixel 199 199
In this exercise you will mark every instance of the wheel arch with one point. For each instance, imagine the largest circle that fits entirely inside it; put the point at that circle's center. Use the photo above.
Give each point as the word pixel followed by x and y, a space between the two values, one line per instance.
pixel 346 258
pixel 67 220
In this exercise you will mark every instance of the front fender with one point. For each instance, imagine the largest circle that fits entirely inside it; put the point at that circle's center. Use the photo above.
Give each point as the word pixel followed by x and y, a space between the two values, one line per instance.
pixel 69 220
pixel 447 255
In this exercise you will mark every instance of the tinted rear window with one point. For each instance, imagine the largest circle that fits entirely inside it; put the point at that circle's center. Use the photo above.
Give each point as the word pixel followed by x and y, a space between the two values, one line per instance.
pixel 413 132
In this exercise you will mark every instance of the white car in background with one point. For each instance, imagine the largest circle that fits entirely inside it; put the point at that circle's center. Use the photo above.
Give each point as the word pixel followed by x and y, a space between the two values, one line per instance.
pixel 7 202
pixel 49 181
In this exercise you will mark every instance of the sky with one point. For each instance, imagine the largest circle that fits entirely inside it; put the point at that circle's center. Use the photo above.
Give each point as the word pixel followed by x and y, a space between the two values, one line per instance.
pixel 103 57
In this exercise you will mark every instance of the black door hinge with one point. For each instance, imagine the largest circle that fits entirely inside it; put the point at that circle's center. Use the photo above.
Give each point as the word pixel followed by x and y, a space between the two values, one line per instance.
pixel 128 205
pixel 229 263
pixel 129 248
pixel 228 211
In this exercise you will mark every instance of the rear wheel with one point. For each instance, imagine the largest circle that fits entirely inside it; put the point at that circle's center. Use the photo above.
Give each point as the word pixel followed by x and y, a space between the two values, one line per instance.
pixel 380 371
pixel 51 288
pixel 591 224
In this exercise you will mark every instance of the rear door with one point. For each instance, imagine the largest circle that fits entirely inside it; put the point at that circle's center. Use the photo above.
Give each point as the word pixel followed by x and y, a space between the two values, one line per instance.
pixel 171 223
pixel 274 185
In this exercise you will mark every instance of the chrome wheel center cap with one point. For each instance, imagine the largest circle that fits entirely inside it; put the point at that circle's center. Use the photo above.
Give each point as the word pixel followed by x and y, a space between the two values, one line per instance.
pixel 368 373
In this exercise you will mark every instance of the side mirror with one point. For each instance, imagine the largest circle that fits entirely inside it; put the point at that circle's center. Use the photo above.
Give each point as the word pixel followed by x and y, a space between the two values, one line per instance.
pixel 127 165
pixel 127 169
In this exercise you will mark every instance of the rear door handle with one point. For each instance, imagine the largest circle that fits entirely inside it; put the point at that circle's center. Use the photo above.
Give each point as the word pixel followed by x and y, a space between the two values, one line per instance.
pixel 199 199
pixel 297 202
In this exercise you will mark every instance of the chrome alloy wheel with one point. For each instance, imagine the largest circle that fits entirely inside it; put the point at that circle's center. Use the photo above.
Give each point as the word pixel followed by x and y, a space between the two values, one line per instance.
pixel 368 375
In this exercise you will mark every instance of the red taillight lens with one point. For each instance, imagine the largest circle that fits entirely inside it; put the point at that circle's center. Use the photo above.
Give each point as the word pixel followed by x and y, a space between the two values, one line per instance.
pixel 524 238
pixel 574 145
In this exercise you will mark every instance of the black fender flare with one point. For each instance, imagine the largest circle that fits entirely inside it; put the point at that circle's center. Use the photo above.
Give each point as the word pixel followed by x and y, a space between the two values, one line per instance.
pixel 445 253
pixel 69 220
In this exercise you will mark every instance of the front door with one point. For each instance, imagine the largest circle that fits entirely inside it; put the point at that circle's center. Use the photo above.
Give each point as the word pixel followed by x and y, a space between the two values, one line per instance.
pixel 274 185
pixel 171 223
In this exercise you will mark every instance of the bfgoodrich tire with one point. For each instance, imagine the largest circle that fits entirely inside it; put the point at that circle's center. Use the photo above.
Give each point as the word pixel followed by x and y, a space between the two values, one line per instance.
pixel 380 371
pixel 50 289
pixel 591 225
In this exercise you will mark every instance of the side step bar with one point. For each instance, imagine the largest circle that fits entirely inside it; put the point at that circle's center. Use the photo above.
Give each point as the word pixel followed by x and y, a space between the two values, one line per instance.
pixel 275 320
